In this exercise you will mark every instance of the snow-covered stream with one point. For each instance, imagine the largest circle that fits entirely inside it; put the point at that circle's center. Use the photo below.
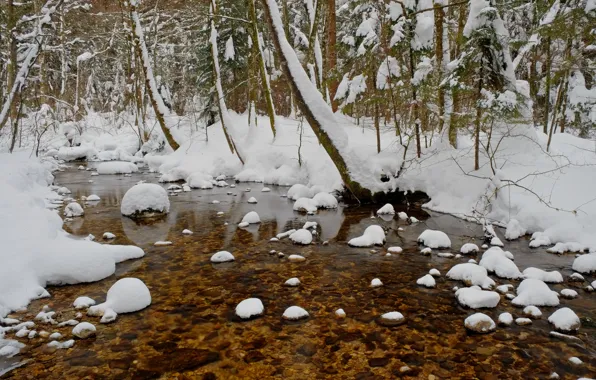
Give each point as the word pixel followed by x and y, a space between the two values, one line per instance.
pixel 191 325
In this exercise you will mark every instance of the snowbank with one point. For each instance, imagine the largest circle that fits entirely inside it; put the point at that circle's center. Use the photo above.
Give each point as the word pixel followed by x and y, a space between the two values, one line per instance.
pixel 117 168
pixel 39 251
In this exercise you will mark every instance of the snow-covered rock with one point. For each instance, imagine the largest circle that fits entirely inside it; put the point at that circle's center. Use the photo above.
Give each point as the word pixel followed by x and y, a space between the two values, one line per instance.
pixel 427 281
pixel 373 235
pixel 535 292
pixel 504 288
pixel 73 209
pixel 294 313
pixel 514 230
pixel 532 312
pixel 249 308
pixel 395 250
pixel 585 263
pixel 299 191
pixel 386 210
pixel 505 319
pixel 476 298
pixel 162 243
pixel 576 277
pixel 480 323
pixel 495 260
pixel 495 241
pixel 565 320
pixel 539 239
pixel 294 281
pixel 426 251
pixel 301 236
pixel 145 200
pixel 340 313
pixel 252 200
pixel 108 236
pixel 402 215
pixel 566 247
pixel 575 360
pixel 471 274
pixel 296 258
pixel 116 167
pixel 250 218
pixel 305 205
pixel 187 232
pixel 434 272
pixel 84 330
pixel 393 318
pixel 325 200
pixel 375 283
pixel 539 274
pixel 469 248
pixel 523 321
pixel 222 257
pixel 93 198
pixel 83 302
pixel 61 345
pixel 434 239
pixel 127 295
pixel 63 191
pixel 568 293
pixel 265 190
pixel 200 180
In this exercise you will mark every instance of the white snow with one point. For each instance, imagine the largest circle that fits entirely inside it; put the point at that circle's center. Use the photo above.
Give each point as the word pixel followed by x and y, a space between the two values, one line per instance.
pixel 162 243
pixel 395 250
pixel 308 225
pixel 187 232
pixel 145 198
pixel 294 281
pixel 250 218
pixel 523 321
pixel 222 257
pixel 480 323
pixel 296 258
pixel 505 319
pixel 83 302
pixel 73 209
pixel 395 316
pixel 575 360
pixel 127 295
pixel 61 345
pixel 427 281
pixel 496 260
pixel 476 298
pixel 585 263
pixel 265 190
pixel 301 236
pixel 402 215
pixel 294 313
pixel 469 248
pixel 375 283
pixel 325 200
pixel 434 272
pixel 298 191
pixel 373 235
pixel 108 235
pixel 340 313
pixel 532 312
pixel 84 330
pixel 434 239
pixel 539 274
pixel 565 320
pixel 386 210
pixel 250 307
pixel 514 230
pixel 535 292
pixel 471 274
pixel 116 167
pixel 252 200
pixel 93 198
pixel 305 205
pixel 566 247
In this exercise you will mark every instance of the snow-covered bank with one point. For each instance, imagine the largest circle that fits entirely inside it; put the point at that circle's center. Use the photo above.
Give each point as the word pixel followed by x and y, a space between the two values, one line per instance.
pixel 36 251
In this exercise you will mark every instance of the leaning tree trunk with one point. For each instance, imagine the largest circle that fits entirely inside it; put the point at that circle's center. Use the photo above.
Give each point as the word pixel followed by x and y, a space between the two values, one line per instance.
pixel 310 101
pixel 159 106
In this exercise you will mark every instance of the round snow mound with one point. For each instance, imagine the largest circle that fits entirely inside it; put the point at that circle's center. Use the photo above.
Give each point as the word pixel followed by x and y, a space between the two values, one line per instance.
pixel 84 330
pixel 301 236
pixel 480 323
pixel 145 200
pixel 222 257
pixel 294 313
pixel 250 307
pixel 127 295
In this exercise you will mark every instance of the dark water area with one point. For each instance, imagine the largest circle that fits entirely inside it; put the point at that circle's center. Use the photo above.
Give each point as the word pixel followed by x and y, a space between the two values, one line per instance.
pixel 190 330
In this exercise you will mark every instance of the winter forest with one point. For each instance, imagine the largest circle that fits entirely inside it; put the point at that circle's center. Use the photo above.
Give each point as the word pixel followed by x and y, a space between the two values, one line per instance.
pixel 298 188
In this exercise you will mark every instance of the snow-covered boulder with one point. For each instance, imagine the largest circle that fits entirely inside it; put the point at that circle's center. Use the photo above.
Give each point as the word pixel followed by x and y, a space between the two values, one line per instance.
pixel 340 313
pixel 116 167
pixel 73 209
pixel 539 274
pixel 83 302
pixel 93 198
pixel 532 312
pixel 523 321
pixel 108 236
pixel 427 281
pixel 63 191
pixel 403 216
pixel 325 200
pixel 294 313
pixel 84 330
pixel 373 235
pixel 565 320
pixel 568 293
pixel 535 292
pixel 375 283
pixel 395 250
pixel 495 260
pixel 514 230
pixel 249 308
pixel 480 323
pixel 145 200
pixel 434 239
pixel 186 232
pixel 386 210
pixel 250 218
pixel 391 319
pixel 585 263
pixel 301 236
pixel 434 272
pixel 127 295
pixel 469 248
pixel 471 274
pixel 505 319
pixel 566 247
pixel 305 205
pixel 299 191
pixel 292 282
pixel 222 257
pixel 200 180
pixel 476 298
pixel 252 200
pixel 296 258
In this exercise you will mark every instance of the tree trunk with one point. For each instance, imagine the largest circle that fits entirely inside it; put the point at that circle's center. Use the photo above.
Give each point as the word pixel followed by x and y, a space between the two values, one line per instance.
pixel 159 107
pixel 13 64
pixel 331 60
pixel 439 25
pixel 477 124
pixel 262 69
pixel 547 85
pixel 308 101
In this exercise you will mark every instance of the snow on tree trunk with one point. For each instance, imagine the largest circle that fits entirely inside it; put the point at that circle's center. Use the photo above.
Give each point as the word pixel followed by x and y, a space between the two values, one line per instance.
pixel 313 106
pixel 159 107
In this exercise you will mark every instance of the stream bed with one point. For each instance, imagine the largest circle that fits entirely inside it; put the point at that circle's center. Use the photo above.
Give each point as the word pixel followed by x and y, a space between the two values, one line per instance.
pixel 190 330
